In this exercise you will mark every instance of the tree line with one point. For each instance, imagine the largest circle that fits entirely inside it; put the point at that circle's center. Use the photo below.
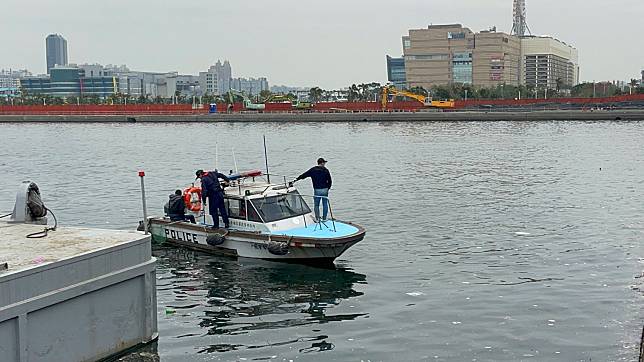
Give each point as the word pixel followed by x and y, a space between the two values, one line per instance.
pixel 363 92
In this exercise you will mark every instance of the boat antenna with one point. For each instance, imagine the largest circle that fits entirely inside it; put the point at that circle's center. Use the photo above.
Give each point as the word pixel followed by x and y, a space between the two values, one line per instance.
pixel 268 175
pixel 235 161
pixel 217 153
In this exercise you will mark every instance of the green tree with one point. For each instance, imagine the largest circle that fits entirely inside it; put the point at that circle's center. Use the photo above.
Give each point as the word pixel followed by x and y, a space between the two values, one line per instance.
pixel 315 94
pixel 265 94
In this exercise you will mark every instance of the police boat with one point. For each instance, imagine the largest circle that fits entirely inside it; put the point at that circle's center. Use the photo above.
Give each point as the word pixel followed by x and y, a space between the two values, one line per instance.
pixel 267 221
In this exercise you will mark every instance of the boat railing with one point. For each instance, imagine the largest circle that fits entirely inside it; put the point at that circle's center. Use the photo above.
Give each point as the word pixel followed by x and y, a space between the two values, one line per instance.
pixel 284 179
pixel 307 197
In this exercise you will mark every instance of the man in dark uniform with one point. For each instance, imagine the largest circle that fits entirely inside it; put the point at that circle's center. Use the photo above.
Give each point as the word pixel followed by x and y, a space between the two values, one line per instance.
pixel 321 178
pixel 211 189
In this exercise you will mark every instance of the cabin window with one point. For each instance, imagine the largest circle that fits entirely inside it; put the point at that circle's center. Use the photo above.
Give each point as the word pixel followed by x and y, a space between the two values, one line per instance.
pixel 237 210
pixel 281 207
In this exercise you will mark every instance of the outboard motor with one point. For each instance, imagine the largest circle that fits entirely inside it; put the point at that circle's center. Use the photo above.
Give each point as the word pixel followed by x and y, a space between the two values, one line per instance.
pixel 29 207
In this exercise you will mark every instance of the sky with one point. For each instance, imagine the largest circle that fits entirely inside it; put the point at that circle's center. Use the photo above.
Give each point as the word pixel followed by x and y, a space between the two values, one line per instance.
pixel 330 43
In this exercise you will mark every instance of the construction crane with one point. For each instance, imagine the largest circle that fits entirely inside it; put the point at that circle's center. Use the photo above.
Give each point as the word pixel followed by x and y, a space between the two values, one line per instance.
pixel 248 104
pixel 426 101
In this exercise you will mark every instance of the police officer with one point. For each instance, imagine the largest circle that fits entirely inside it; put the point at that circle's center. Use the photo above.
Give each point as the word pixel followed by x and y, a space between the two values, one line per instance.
pixel 211 189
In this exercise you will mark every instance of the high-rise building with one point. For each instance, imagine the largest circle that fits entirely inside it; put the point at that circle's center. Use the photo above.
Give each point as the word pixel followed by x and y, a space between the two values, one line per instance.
pixel 396 72
pixel 217 79
pixel 453 54
pixel 548 63
pixel 56 51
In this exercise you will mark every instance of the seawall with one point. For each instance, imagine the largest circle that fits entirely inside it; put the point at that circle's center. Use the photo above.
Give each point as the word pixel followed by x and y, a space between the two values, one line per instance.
pixel 559 115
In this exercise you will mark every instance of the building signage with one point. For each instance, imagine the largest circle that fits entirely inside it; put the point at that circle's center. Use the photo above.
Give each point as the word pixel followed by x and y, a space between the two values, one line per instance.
pixel 453 35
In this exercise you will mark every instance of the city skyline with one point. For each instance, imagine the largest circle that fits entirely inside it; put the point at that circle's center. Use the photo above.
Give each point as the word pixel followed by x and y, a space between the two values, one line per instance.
pixel 330 45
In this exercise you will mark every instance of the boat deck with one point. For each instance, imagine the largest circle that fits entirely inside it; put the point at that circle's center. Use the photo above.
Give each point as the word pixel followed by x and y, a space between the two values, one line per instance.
pixel 323 230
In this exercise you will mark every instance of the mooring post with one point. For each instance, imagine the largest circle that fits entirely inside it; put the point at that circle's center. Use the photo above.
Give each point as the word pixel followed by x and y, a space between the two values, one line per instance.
pixel 145 208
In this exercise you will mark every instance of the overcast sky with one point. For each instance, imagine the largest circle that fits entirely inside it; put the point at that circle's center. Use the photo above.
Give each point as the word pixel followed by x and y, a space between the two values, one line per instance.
pixel 329 43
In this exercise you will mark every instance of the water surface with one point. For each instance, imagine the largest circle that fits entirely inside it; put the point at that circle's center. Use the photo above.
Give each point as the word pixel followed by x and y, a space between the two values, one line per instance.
pixel 487 241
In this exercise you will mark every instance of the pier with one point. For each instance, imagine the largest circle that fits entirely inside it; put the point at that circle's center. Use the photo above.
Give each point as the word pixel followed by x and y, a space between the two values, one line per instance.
pixel 77 294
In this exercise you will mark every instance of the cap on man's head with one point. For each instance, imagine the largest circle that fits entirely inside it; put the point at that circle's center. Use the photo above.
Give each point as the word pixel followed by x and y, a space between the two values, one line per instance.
pixel 321 160
pixel 199 173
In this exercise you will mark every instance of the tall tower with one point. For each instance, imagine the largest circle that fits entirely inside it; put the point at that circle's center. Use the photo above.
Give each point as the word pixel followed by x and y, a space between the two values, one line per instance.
pixel 56 51
pixel 519 26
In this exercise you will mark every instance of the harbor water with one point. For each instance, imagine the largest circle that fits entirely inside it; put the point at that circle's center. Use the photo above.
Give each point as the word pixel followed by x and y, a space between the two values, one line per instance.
pixel 486 241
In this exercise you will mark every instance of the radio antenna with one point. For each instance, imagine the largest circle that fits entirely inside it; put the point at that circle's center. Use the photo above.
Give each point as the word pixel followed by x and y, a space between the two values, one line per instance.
pixel 217 153
pixel 268 175
pixel 235 161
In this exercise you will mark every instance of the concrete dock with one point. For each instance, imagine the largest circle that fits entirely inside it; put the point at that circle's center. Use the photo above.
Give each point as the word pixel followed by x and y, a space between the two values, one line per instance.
pixel 319 117
pixel 78 294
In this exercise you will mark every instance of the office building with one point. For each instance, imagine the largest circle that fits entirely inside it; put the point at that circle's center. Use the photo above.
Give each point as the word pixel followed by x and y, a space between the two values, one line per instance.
pixel 209 81
pixel 396 72
pixel 428 54
pixel 453 54
pixel 495 59
pixel 548 63
pixel 69 81
pixel 56 51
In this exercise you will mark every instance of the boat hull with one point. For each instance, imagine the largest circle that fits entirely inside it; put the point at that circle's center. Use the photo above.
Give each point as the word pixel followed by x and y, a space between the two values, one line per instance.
pixel 248 244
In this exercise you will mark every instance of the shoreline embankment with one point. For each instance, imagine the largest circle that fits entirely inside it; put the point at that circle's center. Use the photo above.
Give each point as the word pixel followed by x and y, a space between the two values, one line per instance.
pixel 315 117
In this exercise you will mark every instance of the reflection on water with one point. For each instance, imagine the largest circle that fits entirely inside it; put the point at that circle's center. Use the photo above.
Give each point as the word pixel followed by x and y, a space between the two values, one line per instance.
pixel 223 303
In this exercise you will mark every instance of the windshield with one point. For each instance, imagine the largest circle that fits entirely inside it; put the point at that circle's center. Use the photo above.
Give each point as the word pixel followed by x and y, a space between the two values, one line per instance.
pixel 280 207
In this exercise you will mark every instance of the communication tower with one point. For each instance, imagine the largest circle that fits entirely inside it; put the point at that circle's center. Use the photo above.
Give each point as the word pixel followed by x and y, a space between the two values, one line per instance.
pixel 520 26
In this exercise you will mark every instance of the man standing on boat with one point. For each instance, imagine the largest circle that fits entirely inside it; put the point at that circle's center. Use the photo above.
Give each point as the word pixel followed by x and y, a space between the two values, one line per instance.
pixel 321 178
pixel 211 189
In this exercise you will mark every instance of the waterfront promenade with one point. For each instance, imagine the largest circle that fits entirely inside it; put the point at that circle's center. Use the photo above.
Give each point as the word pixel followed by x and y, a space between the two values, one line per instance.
pixel 558 115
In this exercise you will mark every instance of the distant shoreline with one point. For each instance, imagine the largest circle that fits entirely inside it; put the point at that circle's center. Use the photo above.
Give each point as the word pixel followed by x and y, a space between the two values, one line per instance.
pixel 559 115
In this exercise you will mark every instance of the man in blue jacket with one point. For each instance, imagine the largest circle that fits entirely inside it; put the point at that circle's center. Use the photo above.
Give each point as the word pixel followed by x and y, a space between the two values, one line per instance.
pixel 211 189
pixel 321 178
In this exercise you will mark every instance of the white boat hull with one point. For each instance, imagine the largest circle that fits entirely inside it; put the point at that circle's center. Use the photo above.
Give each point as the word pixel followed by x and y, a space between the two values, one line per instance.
pixel 251 245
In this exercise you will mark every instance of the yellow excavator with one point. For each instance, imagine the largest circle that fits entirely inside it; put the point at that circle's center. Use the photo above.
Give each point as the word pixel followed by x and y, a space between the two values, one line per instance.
pixel 426 101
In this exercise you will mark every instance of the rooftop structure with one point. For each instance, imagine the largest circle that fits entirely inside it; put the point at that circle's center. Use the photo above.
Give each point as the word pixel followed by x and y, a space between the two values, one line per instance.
pixel 519 25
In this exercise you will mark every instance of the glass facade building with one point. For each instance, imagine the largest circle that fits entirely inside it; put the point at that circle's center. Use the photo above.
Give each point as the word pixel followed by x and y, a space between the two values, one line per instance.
pixel 56 51
pixel 396 72
pixel 462 67
pixel 69 82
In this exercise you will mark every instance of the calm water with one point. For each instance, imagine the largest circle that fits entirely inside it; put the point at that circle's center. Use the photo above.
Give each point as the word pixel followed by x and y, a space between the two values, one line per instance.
pixel 486 241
